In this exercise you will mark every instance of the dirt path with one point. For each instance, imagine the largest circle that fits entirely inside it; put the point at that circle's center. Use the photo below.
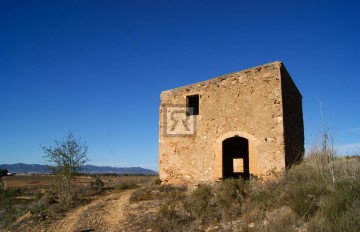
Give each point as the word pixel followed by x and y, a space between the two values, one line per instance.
pixel 104 214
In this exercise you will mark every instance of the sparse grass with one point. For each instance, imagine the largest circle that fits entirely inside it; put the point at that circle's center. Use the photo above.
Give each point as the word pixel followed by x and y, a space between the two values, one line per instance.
pixel 302 191
pixel 154 191
pixel 37 198
pixel 201 206
pixel 339 209
pixel 302 199
pixel 167 219
pixel 14 204
pixel 231 192
pixel 124 186
pixel 319 194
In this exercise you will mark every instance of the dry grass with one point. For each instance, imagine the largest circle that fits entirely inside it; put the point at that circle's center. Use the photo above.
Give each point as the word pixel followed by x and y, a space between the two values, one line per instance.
pixel 44 182
pixel 28 182
pixel 319 194
pixel 301 200
pixel 37 194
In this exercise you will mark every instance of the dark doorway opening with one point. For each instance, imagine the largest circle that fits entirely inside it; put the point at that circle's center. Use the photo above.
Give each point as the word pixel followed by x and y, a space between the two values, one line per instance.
pixel 235 157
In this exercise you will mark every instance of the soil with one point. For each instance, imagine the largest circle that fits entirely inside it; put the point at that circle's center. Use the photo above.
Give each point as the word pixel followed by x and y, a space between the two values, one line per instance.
pixel 106 213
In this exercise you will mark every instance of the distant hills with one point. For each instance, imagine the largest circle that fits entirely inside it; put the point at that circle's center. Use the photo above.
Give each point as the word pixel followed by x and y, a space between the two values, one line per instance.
pixel 89 169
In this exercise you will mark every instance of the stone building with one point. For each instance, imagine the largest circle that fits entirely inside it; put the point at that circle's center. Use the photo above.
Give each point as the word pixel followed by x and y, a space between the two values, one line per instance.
pixel 241 124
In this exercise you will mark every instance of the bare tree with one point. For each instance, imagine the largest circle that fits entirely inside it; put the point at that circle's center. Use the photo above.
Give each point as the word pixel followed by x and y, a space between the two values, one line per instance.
pixel 65 160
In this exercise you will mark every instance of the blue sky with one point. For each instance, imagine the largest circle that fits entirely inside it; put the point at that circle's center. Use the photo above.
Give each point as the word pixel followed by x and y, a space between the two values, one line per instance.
pixel 97 67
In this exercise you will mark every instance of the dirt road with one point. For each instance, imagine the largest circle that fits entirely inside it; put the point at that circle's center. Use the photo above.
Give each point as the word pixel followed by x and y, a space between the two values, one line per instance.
pixel 104 214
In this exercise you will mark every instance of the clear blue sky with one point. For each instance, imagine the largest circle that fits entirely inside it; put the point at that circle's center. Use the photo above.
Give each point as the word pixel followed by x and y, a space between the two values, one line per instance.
pixel 97 67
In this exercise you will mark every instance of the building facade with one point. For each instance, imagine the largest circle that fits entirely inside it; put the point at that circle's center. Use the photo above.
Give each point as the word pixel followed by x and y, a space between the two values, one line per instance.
pixel 241 124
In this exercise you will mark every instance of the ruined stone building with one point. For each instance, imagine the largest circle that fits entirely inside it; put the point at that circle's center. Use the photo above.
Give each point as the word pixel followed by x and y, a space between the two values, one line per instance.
pixel 241 124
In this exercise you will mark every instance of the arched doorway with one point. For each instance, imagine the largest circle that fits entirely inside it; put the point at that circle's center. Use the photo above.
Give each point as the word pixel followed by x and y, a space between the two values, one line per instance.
pixel 235 157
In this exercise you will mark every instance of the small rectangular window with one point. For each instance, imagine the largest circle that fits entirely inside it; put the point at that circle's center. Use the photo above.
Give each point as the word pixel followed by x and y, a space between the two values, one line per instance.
pixel 192 105
pixel 238 165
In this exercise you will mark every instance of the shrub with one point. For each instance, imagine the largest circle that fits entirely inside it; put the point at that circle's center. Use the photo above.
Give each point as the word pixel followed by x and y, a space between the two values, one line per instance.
pixel 230 195
pixel 3 172
pixel 10 193
pixel 125 186
pixel 157 181
pixel 263 196
pixel 200 205
pixel 98 184
pixel 340 208
pixel 163 192
pixel 303 191
pixel 8 215
pixel 167 219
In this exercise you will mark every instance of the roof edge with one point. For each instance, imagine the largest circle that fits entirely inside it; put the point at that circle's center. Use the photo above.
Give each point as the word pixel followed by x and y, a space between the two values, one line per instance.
pixel 279 63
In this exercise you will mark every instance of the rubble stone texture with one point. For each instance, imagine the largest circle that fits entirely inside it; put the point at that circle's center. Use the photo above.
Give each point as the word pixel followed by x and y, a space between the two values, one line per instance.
pixel 249 123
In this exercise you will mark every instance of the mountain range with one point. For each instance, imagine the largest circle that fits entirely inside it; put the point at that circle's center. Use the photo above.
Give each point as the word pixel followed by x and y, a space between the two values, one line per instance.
pixel 89 169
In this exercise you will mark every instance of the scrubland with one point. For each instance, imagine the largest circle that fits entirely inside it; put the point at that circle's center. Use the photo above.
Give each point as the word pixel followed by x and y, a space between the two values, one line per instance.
pixel 321 193
pixel 30 202
pixel 312 196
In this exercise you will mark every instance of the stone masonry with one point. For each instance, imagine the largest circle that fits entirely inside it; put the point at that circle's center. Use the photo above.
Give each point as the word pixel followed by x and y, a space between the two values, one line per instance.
pixel 241 124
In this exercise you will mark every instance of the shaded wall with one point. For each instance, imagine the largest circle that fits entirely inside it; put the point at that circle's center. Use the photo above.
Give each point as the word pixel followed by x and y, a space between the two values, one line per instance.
pixel 293 120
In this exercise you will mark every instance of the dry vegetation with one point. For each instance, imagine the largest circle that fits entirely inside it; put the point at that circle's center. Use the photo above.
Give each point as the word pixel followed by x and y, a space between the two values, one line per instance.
pixel 31 201
pixel 319 194
pixel 301 200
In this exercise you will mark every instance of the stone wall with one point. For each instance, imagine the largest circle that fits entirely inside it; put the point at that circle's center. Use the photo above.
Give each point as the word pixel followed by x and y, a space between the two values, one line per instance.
pixel 293 120
pixel 248 104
